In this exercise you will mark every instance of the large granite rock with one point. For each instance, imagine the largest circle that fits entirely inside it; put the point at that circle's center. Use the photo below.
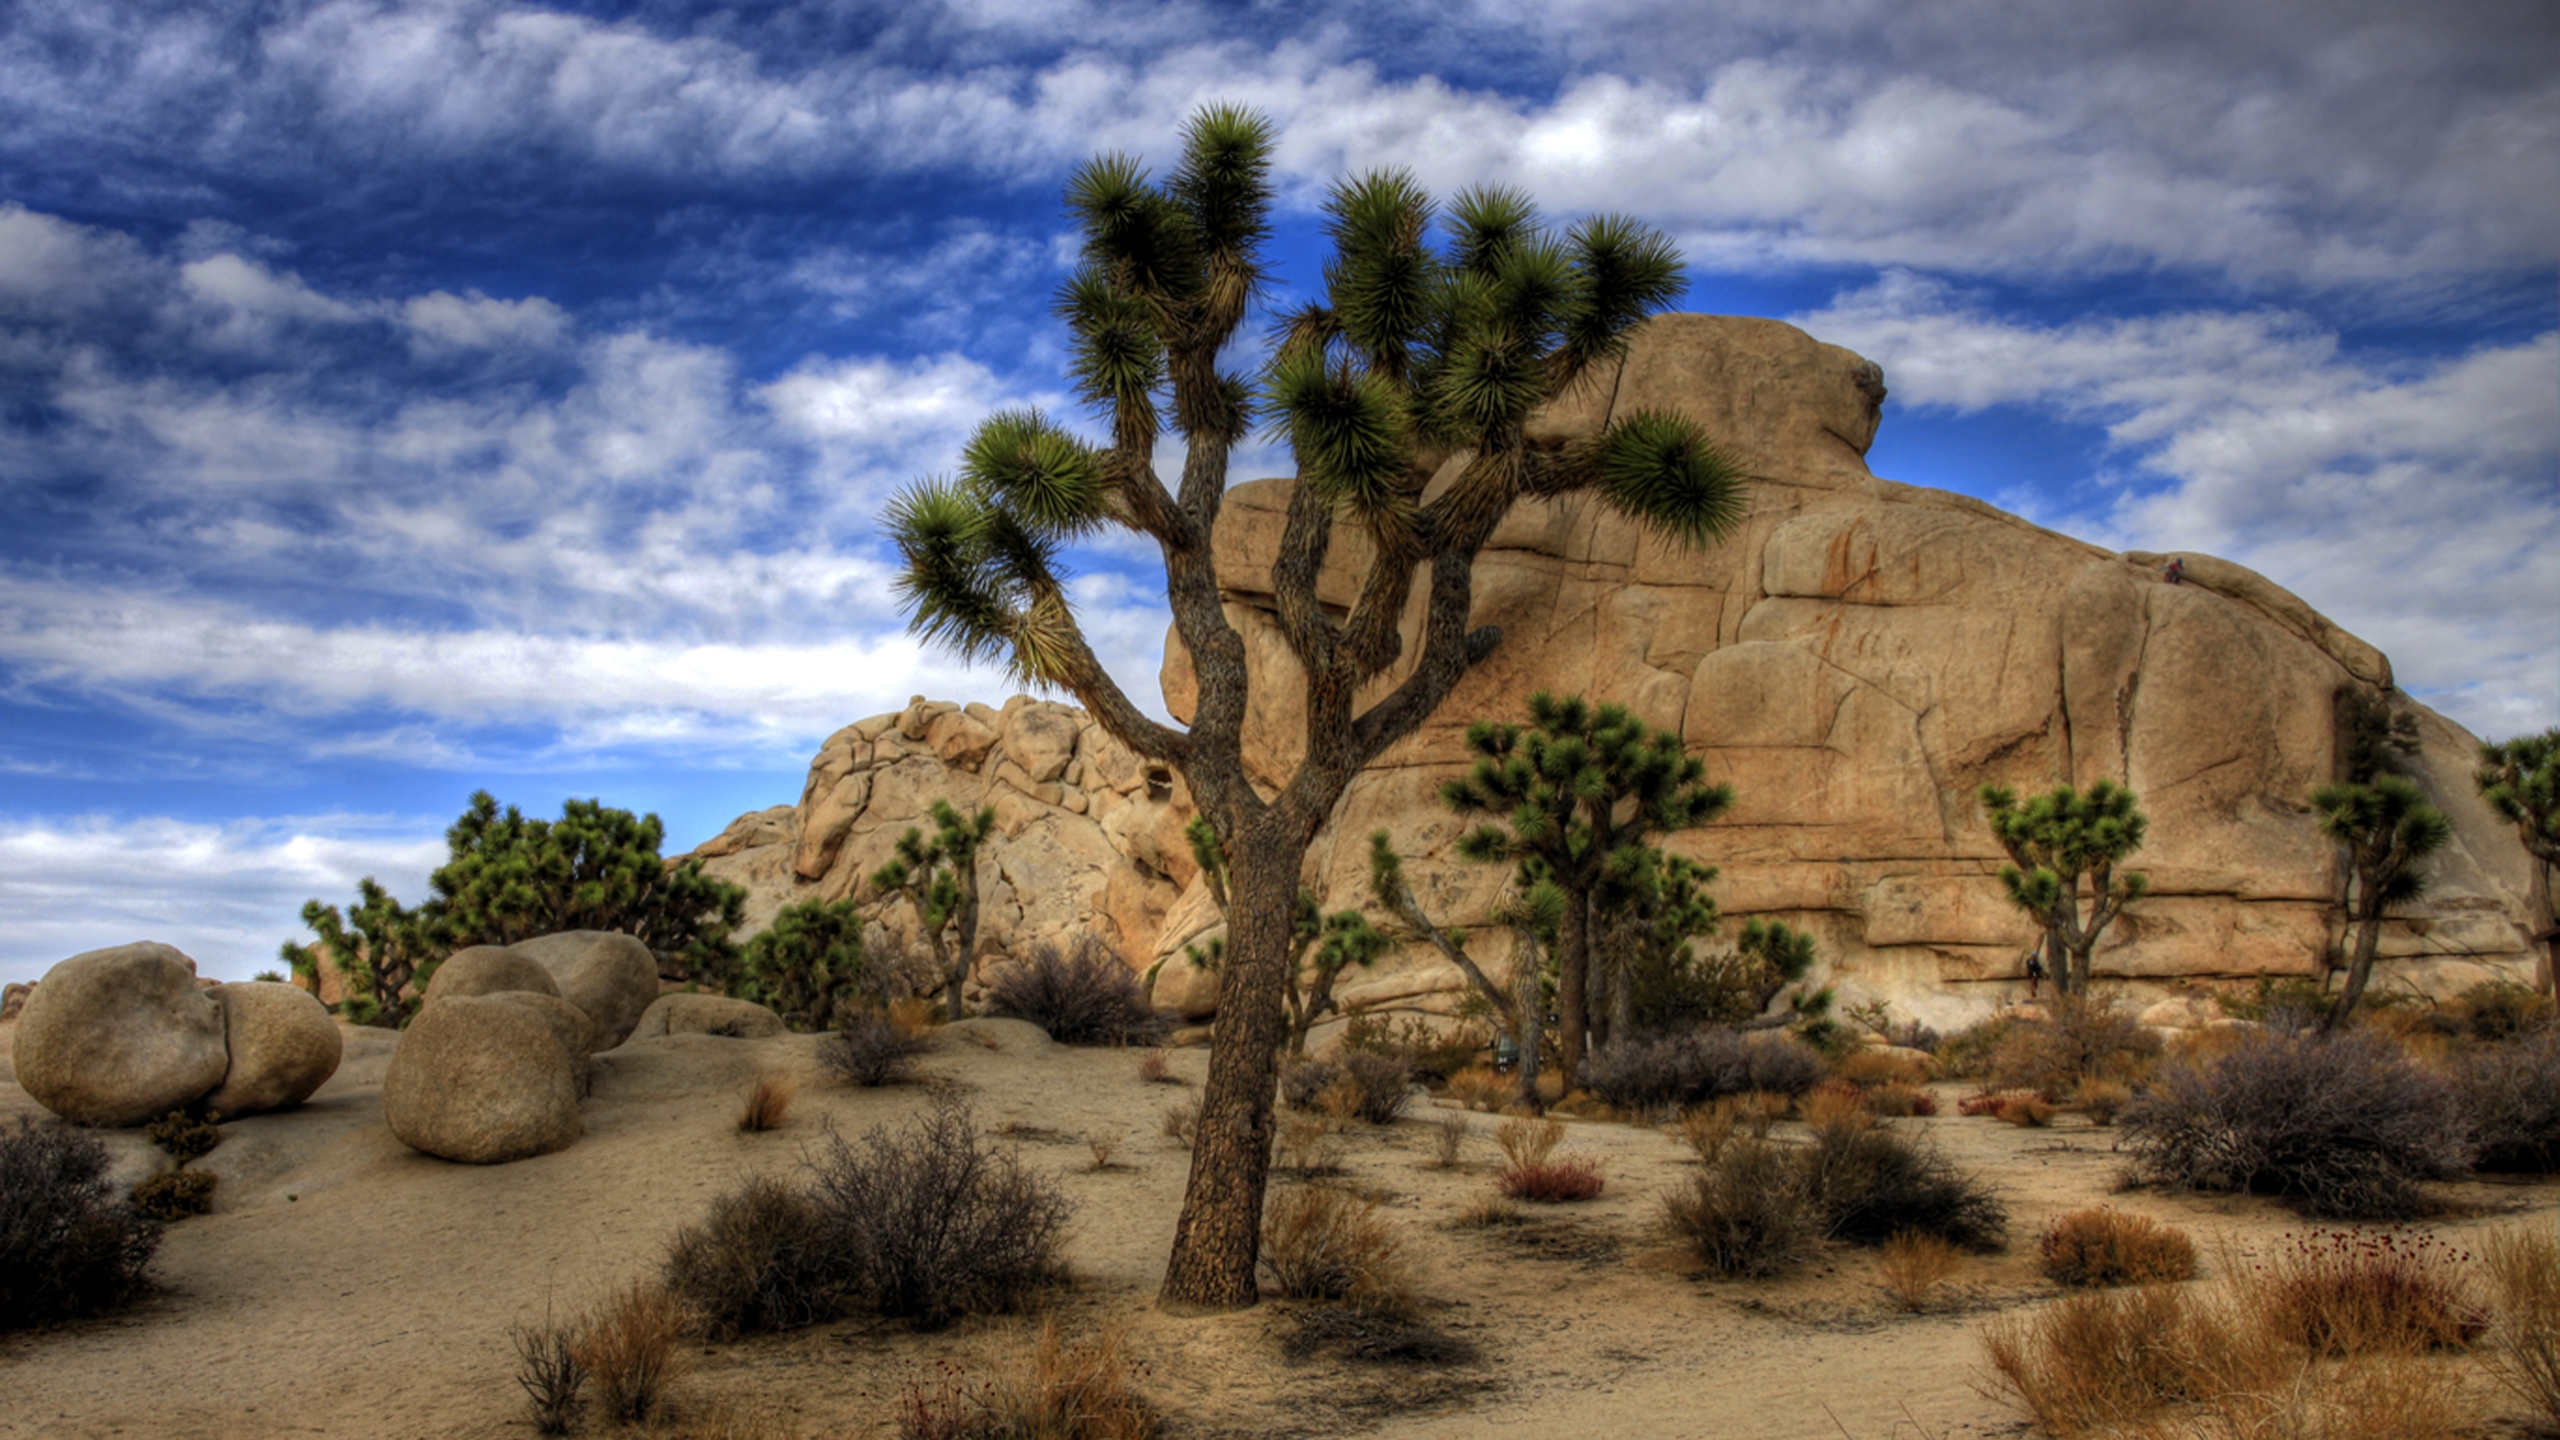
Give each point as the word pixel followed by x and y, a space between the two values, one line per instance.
pixel 283 1046
pixel 120 1036
pixel 682 1014
pixel 1857 661
pixel 484 1079
pixel 486 970
pixel 610 976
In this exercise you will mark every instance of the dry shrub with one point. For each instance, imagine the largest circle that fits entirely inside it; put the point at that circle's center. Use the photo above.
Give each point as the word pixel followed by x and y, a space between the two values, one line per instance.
pixel 554 1379
pixel 1155 1068
pixel 174 1195
pixel 1759 1112
pixel 2101 1100
pixel 182 1137
pixel 2523 1349
pixel 2099 1247
pixel 1180 1121
pixel 2082 1037
pixel 2496 1010
pixel 1882 1067
pixel 1083 996
pixel 1707 1129
pixel 931 1224
pixel 1555 1181
pixel 2340 1125
pixel 1834 1102
pixel 2353 1292
pixel 1493 1210
pixel 768 1101
pixel 1896 1100
pixel 631 1345
pixel 759 1261
pixel 1986 1103
pixel 1448 1140
pixel 871 1050
pixel 1083 1390
pixel 1872 1184
pixel 66 1247
pixel 1103 1147
pixel 1674 1072
pixel 2509 1095
pixel 1910 1267
pixel 915 1014
pixel 1321 1242
pixel 2027 1109
pixel 1305 1147
pixel 2103 1357
pixel 1966 1055
pixel 1750 1213
pixel 1480 1087
pixel 1371 1085
pixel 1528 1142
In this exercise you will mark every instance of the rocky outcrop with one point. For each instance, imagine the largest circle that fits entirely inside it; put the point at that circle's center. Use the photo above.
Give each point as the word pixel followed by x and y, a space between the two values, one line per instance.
pixel 282 1047
pixel 1856 661
pixel 120 1036
pixel 486 1079
pixel 681 1014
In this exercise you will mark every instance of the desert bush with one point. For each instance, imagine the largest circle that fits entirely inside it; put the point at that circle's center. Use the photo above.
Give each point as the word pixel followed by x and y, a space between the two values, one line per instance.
pixel 1872 1183
pixel 1303 1081
pixel 1321 1242
pixel 1674 1072
pixel 759 1261
pixel 1448 1140
pixel 1082 996
pixel 182 1137
pixel 931 1224
pixel 2339 1125
pixel 1305 1147
pixel 2353 1292
pixel 174 1195
pixel 2496 1010
pixel 2509 1096
pixel 2104 1357
pixel 1911 1267
pixel 1966 1055
pixel 552 1376
pixel 2026 1109
pixel 2099 1247
pixel 768 1101
pixel 1429 1051
pixel 1898 1101
pixel 1836 1102
pixel 2082 1037
pixel 1082 1390
pixel 1707 1129
pixel 1554 1181
pixel 1154 1068
pixel 2523 1350
pixel 631 1345
pixel 2101 1100
pixel 1478 1087
pixel 1528 1142
pixel 1749 1213
pixel 1180 1121
pixel 1371 1085
pixel 871 1050
pixel 67 1248
pixel 1871 1068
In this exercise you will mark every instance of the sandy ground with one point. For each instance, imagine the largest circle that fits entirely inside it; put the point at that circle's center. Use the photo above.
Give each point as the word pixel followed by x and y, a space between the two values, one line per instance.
pixel 348 1287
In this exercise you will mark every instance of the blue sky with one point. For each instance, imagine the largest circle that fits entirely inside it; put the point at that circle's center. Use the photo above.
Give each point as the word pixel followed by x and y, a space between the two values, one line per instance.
pixel 398 399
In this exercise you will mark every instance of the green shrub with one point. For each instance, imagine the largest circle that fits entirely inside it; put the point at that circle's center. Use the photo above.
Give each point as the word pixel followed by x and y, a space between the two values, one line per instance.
pixel 174 1195
pixel 182 1137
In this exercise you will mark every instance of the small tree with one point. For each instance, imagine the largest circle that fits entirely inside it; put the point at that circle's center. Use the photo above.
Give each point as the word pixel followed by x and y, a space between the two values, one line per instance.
pixel 1533 909
pixel 938 878
pixel 1577 789
pixel 2056 842
pixel 809 965
pixel 383 951
pixel 2383 830
pixel 2520 778
pixel 594 868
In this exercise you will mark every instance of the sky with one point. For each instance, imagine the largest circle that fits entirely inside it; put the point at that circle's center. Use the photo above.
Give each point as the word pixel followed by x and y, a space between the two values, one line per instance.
pixel 404 399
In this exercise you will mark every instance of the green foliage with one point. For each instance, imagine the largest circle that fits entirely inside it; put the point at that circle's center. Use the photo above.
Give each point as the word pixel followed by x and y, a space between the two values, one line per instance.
pixel 2520 778
pixel 174 1195
pixel 2373 738
pixel 810 966
pixel 2055 842
pixel 384 952
pixel 2383 829
pixel 182 1137
pixel 938 879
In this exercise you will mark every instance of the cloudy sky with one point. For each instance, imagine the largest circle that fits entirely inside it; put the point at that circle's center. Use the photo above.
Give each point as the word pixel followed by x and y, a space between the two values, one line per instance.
pixel 398 399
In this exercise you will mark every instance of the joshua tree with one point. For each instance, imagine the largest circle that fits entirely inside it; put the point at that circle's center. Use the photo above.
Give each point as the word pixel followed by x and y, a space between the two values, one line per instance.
pixel 2520 779
pixel 1416 358
pixel 1579 789
pixel 808 964
pixel 2383 830
pixel 2056 840
pixel 1533 909
pixel 938 878
pixel 385 952
pixel 1324 944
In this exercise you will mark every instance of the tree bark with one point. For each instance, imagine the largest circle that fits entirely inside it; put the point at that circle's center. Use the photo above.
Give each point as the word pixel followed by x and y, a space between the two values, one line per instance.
pixel 2539 908
pixel 2360 969
pixel 1532 1031
pixel 1573 975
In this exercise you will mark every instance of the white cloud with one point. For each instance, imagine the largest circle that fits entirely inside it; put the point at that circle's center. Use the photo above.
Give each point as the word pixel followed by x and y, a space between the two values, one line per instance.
pixel 226 894
pixel 441 320
pixel 2410 501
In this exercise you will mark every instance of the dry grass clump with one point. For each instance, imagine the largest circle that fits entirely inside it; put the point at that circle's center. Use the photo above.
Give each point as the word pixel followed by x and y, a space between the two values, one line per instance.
pixel 1912 1267
pixel 174 1195
pixel 2523 1349
pixel 1102 1148
pixel 2341 1125
pixel 1321 1242
pixel 2081 1037
pixel 2101 1100
pixel 1491 1212
pixel 66 1246
pixel 1707 1129
pixel 2027 1109
pixel 631 1347
pixel 2099 1247
pixel 1180 1121
pixel 768 1101
pixel 1480 1087
pixel 1528 1142
pixel 1448 1141
pixel 871 1050
pixel 1835 1102
pixel 1872 1068
pixel 2351 1292
pixel 1083 1390
pixel 1156 1068
pixel 1749 1214
pixel 1533 1170
pixel 1987 1102
pixel 2496 1010
pixel 1896 1100
pixel 1083 996
pixel 1306 1148
pixel 554 1379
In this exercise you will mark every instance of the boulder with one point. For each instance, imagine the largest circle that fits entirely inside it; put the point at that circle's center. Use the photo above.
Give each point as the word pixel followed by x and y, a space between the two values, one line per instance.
pixel 283 1046
pixel 609 975
pixel 482 1079
pixel 569 1025
pixel 13 998
pixel 486 970
pixel 681 1014
pixel 120 1036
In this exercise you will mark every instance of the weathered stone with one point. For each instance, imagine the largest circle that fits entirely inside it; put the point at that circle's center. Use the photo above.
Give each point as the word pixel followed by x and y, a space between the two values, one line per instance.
pixel 13 998
pixel 609 976
pixel 483 1079
pixel 120 1036
pixel 681 1014
pixel 282 1045
pixel 1042 739
pixel 486 970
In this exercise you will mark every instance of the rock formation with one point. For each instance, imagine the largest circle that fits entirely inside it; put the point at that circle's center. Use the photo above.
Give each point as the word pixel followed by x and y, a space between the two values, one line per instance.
pixel 120 1036
pixel 609 976
pixel 1857 661
pixel 483 1079
pixel 282 1046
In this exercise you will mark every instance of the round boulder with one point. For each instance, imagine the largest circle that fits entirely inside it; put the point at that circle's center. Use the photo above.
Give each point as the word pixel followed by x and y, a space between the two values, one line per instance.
pixel 607 974
pixel 283 1047
pixel 682 1014
pixel 482 1079
pixel 486 970
pixel 120 1036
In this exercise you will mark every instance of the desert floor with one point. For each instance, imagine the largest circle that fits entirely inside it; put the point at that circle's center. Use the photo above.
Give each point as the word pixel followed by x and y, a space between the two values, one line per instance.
pixel 349 1287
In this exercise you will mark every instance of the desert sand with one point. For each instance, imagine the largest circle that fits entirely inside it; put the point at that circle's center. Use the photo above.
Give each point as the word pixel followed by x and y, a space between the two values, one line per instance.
pixel 346 1286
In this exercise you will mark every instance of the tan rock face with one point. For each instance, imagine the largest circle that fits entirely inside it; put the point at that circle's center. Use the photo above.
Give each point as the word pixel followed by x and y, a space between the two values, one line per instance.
pixel 120 1036
pixel 282 1043
pixel 487 970
pixel 609 976
pixel 482 1079
pixel 1857 661
pixel 681 1014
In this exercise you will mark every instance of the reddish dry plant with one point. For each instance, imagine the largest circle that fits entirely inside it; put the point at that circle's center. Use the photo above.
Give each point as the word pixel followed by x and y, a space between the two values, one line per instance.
pixel 2352 1292
pixel 1986 1103
pixel 1872 1068
pixel 1554 1181
pixel 1155 1069
pixel 631 1345
pixel 1080 1391
pixel 2099 1246
pixel 768 1100
pixel 2026 1110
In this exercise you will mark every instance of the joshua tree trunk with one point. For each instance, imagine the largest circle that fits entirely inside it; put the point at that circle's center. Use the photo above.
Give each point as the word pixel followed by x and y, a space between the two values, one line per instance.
pixel 2359 968
pixel 1531 1033
pixel 1573 977
pixel 965 944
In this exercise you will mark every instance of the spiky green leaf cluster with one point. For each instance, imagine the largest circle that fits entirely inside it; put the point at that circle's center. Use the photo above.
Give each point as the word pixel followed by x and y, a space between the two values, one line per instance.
pixel 809 965
pixel 2055 838
pixel 2384 828
pixel 2520 778
pixel 1576 787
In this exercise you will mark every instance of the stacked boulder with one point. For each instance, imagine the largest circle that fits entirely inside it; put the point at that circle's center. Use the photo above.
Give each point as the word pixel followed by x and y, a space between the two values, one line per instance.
pixel 493 1066
pixel 123 1036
